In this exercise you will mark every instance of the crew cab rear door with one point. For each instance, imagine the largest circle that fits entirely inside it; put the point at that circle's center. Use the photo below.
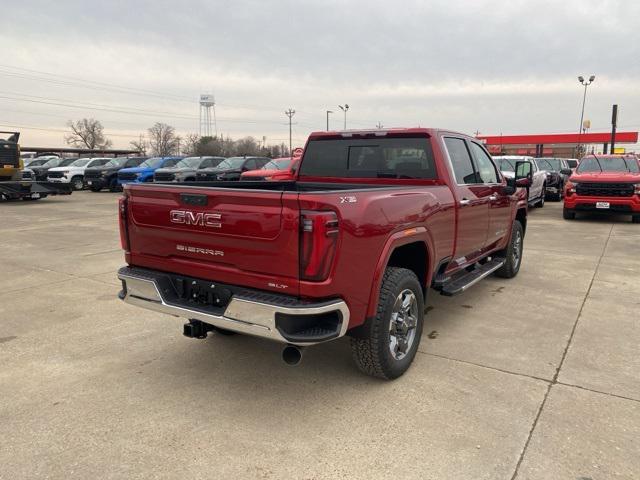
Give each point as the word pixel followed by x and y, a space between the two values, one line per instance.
pixel 245 237
pixel 472 198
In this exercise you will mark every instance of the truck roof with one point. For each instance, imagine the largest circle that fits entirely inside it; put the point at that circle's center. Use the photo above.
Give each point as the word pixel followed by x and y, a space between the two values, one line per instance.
pixel 381 132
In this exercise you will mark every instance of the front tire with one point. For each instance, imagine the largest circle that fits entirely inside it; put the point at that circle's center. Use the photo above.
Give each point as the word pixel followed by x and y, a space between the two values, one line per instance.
pixel 513 252
pixel 390 340
pixel 568 214
pixel 77 183
pixel 635 219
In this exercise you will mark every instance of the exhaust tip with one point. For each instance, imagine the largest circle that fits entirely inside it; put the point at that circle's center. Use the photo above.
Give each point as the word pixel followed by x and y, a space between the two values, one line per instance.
pixel 292 355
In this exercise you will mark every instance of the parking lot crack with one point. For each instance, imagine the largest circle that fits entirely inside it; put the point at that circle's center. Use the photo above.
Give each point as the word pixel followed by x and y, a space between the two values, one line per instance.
pixel 564 356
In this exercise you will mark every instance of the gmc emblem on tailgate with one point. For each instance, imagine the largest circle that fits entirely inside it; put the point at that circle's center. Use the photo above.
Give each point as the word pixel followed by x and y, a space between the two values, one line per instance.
pixel 211 220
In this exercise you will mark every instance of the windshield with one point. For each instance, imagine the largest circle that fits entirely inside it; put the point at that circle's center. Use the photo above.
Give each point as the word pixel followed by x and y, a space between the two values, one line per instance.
pixel 552 164
pixel 209 162
pixel 133 162
pixel 229 163
pixel 81 162
pixel 54 162
pixel 67 161
pixel 608 164
pixel 504 165
pixel 189 162
pixel 36 163
pixel 151 162
pixel 114 162
pixel 277 164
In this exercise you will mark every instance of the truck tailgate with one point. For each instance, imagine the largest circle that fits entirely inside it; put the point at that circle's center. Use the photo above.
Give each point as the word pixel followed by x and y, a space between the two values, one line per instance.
pixel 241 237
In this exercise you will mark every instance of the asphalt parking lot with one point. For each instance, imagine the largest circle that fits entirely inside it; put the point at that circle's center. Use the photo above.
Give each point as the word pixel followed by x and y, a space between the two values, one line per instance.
pixel 534 378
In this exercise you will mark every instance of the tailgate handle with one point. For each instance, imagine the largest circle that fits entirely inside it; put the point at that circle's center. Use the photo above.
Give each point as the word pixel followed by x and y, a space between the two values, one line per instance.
pixel 194 199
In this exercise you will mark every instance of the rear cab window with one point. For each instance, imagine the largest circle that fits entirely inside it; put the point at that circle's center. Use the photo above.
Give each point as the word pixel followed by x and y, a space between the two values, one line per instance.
pixel 378 157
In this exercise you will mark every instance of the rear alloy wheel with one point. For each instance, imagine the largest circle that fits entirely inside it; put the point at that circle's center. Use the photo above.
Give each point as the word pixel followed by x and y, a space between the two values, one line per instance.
pixel 390 340
pixel 568 214
pixel 77 183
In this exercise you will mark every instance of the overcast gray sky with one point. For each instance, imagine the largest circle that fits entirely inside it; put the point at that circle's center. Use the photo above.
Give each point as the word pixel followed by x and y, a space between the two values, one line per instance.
pixel 492 66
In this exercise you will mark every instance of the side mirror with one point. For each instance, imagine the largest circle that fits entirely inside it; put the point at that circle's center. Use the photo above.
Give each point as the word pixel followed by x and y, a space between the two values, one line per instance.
pixel 566 171
pixel 524 170
pixel 523 183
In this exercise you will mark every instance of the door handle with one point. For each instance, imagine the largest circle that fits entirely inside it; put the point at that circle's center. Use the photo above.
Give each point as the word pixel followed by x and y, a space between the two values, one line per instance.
pixel 493 198
pixel 464 202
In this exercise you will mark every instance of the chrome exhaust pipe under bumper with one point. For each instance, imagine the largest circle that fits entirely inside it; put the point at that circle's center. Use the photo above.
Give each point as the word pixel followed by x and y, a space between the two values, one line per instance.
pixel 292 355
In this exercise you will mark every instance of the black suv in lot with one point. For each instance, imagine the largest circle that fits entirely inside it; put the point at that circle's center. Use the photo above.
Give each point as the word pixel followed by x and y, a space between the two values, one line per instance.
pixel 106 176
pixel 231 168
pixel 40 172
pixel 555 178
pixel 186 169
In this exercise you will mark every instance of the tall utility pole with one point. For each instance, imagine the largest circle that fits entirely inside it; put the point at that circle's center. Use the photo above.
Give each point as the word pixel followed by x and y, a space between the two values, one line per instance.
pixel 379 126
pixel 328 112
pixel 614 124
pixel 344 109
pixel 584 99
pixel 290 113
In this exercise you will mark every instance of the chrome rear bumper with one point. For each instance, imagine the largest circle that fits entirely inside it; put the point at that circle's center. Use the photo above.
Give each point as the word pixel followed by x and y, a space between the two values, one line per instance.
pixel 243 314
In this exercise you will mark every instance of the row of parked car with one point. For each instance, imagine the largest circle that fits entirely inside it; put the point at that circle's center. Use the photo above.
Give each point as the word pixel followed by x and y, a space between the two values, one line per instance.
pixel 112 173
pixel 549 175
pixel 597 183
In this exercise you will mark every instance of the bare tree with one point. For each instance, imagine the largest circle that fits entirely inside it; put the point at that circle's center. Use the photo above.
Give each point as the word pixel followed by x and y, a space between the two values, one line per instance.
pixel 247 146
pixel 88 133
pixel 140 145
pixel 163 140
pixel 191 143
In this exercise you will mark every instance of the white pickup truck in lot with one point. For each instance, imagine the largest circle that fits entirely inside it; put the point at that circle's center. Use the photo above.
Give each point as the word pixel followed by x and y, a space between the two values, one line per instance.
pixel 74 172
pixel 538 188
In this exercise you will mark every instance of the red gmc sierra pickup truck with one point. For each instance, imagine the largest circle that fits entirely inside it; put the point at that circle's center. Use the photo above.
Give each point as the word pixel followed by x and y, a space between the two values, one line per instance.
pixel 373 220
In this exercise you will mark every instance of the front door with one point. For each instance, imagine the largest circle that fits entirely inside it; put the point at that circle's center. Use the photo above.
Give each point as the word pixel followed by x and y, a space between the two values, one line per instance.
pixel 499 203
pixel 472 200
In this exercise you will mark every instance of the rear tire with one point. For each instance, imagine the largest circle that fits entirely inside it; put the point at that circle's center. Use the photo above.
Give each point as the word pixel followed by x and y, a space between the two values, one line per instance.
pixel 389 342
pixel 568 214
pixel 635 219
pixel 513 252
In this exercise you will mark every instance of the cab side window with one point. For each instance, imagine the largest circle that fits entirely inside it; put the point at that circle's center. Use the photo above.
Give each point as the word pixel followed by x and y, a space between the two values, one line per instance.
pixel 460 160
pixel 485 167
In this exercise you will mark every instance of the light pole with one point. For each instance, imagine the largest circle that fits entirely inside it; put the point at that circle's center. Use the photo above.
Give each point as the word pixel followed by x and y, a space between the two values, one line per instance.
pixel 344 109
pixel 290 113
pixel 328 112
pixel 584 99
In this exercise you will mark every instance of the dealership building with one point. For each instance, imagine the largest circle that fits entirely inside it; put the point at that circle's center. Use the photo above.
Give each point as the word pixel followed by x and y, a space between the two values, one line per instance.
pixel 563 145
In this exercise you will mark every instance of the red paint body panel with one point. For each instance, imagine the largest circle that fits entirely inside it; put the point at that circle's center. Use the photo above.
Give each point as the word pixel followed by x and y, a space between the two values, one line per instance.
pixel 260 229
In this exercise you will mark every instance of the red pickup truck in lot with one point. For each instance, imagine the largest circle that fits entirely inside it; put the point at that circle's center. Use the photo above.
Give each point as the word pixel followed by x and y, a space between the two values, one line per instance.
pixel 373 220
pixel 604 183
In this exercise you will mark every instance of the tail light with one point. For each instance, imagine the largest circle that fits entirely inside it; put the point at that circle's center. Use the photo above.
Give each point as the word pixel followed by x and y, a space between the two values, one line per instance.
pixel 318 242
pixel 122 218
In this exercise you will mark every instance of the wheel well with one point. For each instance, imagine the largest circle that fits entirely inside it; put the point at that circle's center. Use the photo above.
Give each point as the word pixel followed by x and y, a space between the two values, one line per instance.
pixel 412 256
pixel 521 216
